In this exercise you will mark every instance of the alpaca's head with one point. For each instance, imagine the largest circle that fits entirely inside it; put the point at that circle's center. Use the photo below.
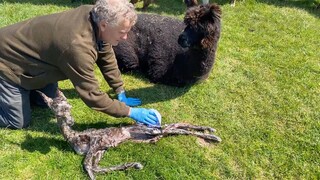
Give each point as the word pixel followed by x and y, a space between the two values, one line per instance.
pixel 60 107
pixel 202 26
pixel 190 3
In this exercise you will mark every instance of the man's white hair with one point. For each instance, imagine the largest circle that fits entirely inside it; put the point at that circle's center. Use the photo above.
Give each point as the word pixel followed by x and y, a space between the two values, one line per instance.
pixel 112 11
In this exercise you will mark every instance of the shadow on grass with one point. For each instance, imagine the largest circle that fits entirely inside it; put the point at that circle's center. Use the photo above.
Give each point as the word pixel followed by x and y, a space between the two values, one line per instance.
pixel 44 144
pixel 41 121
pixel 160 6
pixel 44 120
pixel 177 7
pixel 46 2
pixel 169 7
pixel 311 6
pixel 149 95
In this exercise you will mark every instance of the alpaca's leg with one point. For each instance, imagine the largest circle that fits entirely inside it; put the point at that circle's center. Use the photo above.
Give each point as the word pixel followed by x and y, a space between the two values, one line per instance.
pixel 122 167
pixel 142 134
pixel 187 126
pixel 146 3
pixel 97 158
pixel 91 154
pixel 205 1
pixel 87 164
pixel 98 169
pixel 173 129
pixel 133 1
pixel 209 137
pixel 152 140
pixel 233 2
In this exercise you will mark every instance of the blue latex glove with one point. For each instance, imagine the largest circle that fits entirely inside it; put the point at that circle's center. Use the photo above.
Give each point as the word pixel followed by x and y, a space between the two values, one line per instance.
pixel 145 116
pixel 129 101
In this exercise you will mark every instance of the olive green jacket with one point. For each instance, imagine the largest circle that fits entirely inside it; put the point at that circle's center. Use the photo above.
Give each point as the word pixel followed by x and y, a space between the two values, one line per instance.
pixel 60 46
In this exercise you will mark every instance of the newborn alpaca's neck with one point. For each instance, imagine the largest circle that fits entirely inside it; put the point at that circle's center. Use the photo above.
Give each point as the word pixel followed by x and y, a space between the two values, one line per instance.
pixel 66 130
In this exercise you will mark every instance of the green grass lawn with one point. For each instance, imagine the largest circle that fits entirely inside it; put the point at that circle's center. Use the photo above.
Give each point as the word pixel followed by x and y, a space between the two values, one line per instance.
pixel 263 97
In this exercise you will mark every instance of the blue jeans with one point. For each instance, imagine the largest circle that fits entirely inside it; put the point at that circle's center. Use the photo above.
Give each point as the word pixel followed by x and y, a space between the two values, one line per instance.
pixel 15 103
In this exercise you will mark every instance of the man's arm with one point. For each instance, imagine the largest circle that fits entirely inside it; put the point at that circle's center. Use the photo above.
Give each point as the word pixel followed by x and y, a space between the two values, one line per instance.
pixel 109 68
pixel 78 65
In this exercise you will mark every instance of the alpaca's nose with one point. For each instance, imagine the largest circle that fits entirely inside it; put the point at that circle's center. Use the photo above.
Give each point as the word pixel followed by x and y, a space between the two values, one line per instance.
pixel 183 40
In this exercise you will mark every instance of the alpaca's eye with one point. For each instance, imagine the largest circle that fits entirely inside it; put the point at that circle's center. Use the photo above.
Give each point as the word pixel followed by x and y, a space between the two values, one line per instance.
pixel 195 28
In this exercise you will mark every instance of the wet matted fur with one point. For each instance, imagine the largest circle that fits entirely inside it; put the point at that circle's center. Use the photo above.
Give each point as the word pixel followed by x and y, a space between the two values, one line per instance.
pixel 94 142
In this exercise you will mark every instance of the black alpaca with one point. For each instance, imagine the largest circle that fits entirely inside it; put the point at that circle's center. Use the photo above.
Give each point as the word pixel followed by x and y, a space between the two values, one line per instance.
pixel 156 46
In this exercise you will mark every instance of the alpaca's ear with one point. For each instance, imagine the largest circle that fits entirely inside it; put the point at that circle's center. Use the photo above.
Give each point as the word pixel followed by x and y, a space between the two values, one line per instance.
pixel 46 99
pixel 60 94
pixel 215 10
pixel 212 17
pixel 211 12
pixel 190 3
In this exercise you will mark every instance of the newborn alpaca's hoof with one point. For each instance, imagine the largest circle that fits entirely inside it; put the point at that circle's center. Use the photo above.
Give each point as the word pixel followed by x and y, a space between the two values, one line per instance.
pixel 211 129
pixel 138 166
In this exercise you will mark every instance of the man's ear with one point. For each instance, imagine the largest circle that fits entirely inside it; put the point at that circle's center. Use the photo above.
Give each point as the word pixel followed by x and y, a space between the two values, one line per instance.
pixel 103 26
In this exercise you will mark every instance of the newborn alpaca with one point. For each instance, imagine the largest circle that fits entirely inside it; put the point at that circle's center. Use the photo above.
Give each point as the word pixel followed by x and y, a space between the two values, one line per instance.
pixel 93 142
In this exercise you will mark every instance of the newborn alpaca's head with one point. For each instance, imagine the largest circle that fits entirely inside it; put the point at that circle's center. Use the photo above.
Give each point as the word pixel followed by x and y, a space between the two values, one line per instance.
pixel 60 107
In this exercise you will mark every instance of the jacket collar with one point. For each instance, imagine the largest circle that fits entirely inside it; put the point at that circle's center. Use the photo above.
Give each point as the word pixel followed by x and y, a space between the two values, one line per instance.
pixel 95 31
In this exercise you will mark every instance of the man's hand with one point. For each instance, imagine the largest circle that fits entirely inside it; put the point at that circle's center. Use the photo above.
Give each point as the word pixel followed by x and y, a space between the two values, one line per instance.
pixel 149 117
pixel 129 101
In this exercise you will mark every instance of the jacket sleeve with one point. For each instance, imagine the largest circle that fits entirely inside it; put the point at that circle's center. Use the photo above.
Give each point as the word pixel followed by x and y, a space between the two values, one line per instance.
pixel 78 65
pixel 109 67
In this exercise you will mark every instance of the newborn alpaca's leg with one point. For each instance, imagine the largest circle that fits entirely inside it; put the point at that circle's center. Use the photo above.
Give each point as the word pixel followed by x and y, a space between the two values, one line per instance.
pixel 98 169
pixel 209 137
pixel 87 164
pixel 187 126
pixel 97 158
pixel 122 167
pixel 91 154
pixel 151 140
